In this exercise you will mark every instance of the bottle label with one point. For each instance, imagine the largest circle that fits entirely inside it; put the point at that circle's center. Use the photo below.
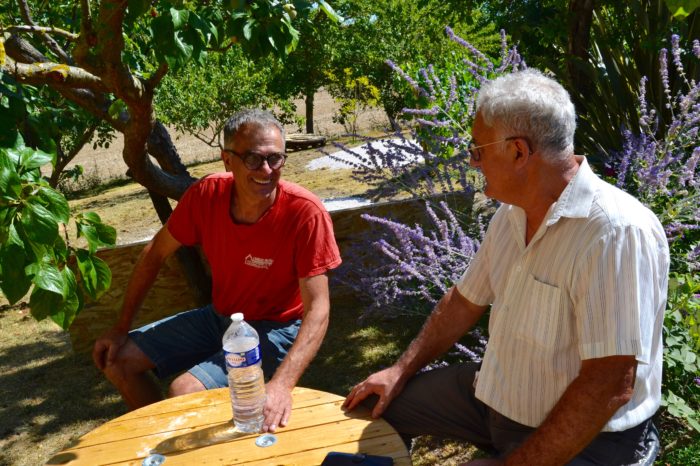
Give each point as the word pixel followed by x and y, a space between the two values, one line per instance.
pixel 247 358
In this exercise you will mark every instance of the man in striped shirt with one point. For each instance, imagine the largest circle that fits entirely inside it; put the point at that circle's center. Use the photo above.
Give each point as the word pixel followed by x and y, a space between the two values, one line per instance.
pixel 575 271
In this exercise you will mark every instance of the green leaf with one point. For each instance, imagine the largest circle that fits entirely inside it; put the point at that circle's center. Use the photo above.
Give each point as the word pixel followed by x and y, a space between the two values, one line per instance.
pixel 95 275
pixel 39 223
pixel 31 158
pixel 91 217
pixel 72 304
pixel 90 234
pixel 106 234
pixel 248 28
pixel 184 51
pixel 104 276
pixel 44 303
pixel 88 273
pixel 6 160
pixel 116 108
pixel 49 278
pixel 682 8
pixel 10 183
pixel 56 204
pixel 179 18
pixel 329 11
pixel 13 280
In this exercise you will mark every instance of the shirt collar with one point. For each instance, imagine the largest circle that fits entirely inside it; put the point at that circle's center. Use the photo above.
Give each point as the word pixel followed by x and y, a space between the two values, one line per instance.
pixel 576 199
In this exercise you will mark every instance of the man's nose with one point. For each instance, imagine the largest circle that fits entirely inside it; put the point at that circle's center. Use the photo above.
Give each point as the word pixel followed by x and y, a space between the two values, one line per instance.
pixel 265 166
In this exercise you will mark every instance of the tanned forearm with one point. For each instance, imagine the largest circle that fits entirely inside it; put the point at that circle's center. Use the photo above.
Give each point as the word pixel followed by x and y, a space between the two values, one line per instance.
pixel 144 275
pixel 311 332
pixel 452 317
pixel 602 387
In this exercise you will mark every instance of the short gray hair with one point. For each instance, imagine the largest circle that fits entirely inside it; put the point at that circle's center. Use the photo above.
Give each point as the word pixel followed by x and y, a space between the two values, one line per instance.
pixel 250 117
pixel 528 103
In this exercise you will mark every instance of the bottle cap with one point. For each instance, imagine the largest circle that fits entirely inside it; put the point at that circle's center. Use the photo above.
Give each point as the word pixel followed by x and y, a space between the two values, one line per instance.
pixel 153 460
pixel 266 440
pixel 237 317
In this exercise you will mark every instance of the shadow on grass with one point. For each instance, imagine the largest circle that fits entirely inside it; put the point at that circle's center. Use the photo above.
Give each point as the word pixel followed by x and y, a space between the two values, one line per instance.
pixel 45 389
pixel 350 351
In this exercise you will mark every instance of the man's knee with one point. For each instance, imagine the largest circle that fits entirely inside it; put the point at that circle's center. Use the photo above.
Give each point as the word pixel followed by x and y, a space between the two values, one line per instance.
pixel 130 361
pixel 184 384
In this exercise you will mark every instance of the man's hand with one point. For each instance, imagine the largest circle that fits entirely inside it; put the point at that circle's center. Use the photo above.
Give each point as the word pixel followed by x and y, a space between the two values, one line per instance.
pixel 107 346
pixel 278 406
pixel 386 383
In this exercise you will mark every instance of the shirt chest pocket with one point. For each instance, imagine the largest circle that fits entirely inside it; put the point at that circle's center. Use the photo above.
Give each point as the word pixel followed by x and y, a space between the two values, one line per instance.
pixel 540 314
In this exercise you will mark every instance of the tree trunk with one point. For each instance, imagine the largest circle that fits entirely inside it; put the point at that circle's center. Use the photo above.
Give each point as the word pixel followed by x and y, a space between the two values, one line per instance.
pixel 309 101
pixel 63 159
pixel 189 258
pixel 580 18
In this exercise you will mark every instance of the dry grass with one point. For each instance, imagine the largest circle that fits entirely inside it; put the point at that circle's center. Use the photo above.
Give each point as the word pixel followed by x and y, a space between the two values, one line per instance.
pixel 50 396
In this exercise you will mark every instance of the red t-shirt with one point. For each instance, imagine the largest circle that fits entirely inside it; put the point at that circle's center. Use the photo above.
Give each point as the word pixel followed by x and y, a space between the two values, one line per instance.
pixel 256 268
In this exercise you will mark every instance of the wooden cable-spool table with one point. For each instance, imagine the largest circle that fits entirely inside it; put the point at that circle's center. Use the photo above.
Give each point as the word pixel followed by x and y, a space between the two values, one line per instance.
pixel 197 429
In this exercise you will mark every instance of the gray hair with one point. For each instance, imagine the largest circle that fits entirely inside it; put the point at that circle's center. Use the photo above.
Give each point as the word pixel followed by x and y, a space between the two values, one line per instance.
pixel 250 117
pixel 528 103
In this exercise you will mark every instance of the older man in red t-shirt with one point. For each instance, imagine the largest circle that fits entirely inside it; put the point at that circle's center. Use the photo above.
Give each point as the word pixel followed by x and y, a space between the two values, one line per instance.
pixel 269 244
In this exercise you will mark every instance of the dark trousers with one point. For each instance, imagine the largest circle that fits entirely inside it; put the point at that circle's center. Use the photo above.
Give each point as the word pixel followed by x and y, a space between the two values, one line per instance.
pixel 441 402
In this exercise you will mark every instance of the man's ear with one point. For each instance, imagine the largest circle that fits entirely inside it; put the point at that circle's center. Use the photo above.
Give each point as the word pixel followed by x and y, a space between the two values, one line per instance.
pixel 522 153
pixel 226 160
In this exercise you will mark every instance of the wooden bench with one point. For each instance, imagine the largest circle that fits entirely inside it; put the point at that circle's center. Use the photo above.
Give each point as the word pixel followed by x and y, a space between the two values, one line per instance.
pixel 301 141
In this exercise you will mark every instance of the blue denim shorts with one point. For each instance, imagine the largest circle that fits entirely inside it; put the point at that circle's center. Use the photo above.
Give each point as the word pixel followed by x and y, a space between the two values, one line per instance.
pixel 191 340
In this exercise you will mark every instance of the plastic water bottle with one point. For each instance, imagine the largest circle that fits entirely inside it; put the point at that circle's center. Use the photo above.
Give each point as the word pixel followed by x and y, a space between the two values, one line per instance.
pixel 245 376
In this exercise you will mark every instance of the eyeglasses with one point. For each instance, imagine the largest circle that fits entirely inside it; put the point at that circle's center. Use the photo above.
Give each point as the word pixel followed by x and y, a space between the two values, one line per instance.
pixel 253 161
pixel 475 153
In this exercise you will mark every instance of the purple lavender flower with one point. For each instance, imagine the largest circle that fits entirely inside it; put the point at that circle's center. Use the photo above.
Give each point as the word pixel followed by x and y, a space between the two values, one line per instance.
pixel 663 71
pixel 676 53
pixel 407 78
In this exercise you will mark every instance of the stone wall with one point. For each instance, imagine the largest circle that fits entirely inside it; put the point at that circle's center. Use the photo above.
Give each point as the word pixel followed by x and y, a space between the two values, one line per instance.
pixel 170 293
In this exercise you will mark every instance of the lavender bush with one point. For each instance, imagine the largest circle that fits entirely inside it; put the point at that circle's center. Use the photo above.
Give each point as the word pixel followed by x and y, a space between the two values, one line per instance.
pixel 430 156
pixel 422 263
pixel 660 167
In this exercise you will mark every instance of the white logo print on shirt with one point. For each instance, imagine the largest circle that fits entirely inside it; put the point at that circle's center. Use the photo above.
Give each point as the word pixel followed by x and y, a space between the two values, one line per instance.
pixel 257 262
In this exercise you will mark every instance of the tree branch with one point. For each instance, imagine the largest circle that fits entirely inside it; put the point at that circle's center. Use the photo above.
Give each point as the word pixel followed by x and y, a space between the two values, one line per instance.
pixel 54 74
pixel 96 104
pixel 157 77
pixel 110 45
pixel 48 40
pixel 161 147
pixel 85 18
pixel 42 30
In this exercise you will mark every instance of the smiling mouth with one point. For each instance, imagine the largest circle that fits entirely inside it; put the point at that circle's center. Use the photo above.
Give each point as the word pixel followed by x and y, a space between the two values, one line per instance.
pixel 262 181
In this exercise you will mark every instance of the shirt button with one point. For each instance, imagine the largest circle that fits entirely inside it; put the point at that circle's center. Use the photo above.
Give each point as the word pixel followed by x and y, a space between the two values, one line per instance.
pixel 518 269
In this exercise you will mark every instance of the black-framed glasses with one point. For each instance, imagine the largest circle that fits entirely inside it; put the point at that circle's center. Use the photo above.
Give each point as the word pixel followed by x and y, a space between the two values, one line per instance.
pixel 475 153
pixel 254 161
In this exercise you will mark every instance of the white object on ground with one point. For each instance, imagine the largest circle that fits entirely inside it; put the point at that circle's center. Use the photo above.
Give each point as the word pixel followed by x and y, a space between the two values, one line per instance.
pixel 360 152
pixel 340 203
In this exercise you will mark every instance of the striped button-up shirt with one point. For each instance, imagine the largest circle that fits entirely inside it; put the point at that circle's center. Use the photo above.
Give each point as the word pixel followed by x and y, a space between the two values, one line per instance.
pixel 591 283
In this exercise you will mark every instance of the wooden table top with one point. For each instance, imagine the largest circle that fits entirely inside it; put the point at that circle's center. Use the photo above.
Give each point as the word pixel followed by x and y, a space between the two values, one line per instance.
pixel 196 429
